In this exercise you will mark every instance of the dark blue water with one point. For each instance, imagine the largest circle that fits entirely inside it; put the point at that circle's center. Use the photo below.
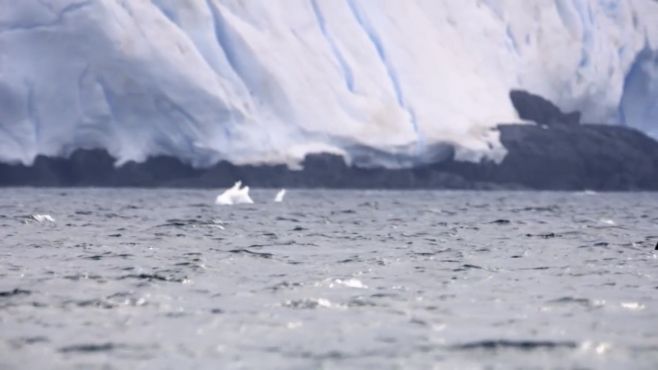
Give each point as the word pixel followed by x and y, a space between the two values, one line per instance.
pixel 328 279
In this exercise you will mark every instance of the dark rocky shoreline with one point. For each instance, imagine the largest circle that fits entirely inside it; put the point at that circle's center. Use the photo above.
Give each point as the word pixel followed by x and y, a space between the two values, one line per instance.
pixel 558 153
pixel 568 157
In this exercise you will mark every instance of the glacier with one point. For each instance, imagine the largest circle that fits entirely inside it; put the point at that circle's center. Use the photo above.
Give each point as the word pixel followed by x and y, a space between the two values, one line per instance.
pixel 381 82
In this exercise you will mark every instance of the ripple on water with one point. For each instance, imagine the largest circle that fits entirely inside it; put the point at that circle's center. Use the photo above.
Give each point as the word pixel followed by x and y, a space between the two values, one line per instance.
pixel 519 345
pixel 336 279
pixel 14 292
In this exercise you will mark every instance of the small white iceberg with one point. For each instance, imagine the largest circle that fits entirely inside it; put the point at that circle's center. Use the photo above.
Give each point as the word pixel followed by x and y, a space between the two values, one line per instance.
pixel 280 195
pixel 234 195
pixel 43 218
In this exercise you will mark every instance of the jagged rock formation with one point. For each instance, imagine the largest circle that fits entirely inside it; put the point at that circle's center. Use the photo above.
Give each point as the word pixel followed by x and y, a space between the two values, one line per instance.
pixel 537 109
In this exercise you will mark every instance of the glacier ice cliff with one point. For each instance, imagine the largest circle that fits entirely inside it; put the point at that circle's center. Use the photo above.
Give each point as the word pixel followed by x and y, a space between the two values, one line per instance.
pixel 379 81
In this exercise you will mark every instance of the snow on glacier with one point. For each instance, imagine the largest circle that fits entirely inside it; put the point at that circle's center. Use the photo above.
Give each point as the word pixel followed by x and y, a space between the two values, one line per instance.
pixel 270 81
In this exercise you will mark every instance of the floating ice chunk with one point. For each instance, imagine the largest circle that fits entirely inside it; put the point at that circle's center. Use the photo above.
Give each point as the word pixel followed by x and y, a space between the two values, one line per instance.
pixel 43 218
pixel 243 196
pixel 280 195
pixel 323 302
pixel 633 306
pixel 234 195
pixel 607 221
pixel 352 283
pixel 599 348
pixel 226 198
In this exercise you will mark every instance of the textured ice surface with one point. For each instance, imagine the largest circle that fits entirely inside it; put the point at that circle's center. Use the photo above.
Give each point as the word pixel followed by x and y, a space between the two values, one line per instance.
pixel 270 81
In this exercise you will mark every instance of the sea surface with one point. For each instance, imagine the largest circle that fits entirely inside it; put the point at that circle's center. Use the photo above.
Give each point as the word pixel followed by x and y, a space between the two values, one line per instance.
pixel 165 279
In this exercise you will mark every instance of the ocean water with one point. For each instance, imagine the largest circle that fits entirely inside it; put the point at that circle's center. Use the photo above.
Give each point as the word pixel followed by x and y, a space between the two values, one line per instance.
pixel 137 278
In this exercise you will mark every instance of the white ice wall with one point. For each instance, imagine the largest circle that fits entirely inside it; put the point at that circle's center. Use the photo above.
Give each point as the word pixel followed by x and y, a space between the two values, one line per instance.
pixel 271 80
